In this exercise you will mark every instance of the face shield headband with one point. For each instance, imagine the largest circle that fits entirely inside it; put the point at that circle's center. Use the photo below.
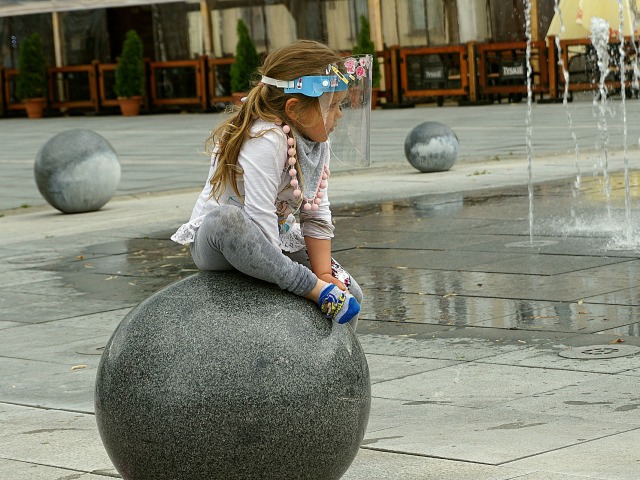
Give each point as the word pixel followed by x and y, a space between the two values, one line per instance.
pixel 344 97
pixel 310 85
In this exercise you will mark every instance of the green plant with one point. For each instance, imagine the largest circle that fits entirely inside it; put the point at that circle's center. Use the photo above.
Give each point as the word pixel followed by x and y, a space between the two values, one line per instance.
pixel 130 68
pixel 32 69
pixel 365 45
pixel 246 62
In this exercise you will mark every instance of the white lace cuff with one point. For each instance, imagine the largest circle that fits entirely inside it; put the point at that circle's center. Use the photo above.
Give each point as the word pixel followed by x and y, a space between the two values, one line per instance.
pixel 292 241
pixel 186 234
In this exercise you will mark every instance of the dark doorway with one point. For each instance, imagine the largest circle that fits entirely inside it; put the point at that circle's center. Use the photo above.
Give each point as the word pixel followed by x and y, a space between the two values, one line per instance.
pixel 121 20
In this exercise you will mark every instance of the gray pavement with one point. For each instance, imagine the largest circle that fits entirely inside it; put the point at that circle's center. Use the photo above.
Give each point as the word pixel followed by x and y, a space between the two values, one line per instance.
pixel 470 325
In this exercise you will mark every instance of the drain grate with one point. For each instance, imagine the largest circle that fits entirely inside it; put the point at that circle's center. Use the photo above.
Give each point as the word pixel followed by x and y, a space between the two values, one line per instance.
pixel 598 352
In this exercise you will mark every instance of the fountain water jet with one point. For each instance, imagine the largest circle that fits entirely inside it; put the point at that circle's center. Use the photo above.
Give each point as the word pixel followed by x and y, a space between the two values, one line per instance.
pixel 565 96
pixel 600 40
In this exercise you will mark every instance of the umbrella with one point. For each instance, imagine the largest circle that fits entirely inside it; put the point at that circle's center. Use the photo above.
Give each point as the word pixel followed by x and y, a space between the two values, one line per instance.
pixel 576 17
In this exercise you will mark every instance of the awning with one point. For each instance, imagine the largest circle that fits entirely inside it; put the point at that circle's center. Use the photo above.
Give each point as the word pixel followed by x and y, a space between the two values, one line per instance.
pixel 9 8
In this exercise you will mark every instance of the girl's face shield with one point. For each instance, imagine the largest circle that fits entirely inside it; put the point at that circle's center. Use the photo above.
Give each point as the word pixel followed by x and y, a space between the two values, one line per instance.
pixel 347 112
pixel 344 96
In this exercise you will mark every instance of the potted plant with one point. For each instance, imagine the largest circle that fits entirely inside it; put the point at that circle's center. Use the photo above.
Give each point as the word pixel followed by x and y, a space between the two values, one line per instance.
pixel 31 83
pixel 364 46
pixel 129 84
pixel 246 63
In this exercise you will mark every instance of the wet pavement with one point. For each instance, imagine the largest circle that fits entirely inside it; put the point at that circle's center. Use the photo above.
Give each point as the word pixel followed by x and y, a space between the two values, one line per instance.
pixel 471 324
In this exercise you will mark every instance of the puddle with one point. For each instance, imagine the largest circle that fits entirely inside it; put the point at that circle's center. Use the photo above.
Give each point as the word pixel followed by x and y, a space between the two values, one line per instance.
pixel 127 270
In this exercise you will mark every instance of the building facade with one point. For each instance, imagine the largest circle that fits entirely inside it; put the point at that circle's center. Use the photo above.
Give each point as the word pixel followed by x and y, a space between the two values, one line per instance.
pixel 78 33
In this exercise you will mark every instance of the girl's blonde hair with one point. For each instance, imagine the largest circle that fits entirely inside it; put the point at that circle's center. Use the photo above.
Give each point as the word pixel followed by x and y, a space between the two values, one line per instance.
pixel 303 57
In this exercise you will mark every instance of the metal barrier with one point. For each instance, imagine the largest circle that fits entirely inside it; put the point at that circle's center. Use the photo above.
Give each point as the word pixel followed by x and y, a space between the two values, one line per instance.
pixel 502 69
pixel 434 72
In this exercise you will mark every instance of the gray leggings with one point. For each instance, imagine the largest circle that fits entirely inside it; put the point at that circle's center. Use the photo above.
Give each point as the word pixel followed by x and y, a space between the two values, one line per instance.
pixel 227 239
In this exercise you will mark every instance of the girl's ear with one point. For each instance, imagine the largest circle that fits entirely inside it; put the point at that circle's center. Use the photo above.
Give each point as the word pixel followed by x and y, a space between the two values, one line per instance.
pixel 290 108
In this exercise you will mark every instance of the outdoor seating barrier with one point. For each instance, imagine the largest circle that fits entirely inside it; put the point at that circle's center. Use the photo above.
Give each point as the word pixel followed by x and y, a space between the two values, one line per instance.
pixel 3 109
pixel 73 87
pixel 106 83
pixel 9 88
pixel 580 60
pixel 434 72
pixel 469 72
pixel 219 80
pixel 502 70
pixel 180 82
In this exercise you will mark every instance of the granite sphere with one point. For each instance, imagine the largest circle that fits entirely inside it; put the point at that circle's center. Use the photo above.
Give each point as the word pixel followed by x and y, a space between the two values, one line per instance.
pixel 431 147
pixel 77 171
pixel 221 376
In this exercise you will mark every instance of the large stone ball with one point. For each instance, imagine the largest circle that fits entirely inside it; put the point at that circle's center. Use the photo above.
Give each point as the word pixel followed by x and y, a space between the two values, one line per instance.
pixel 77 171
pixel 431 147
pixel 220 376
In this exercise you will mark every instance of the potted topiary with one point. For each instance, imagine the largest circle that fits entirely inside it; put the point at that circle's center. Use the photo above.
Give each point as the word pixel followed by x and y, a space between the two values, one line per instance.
pixel 246 63
pixel 364 46
pixel 129 84
pixel 31 83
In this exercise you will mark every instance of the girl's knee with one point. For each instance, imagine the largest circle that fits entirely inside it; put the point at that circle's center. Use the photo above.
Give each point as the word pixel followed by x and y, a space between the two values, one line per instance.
pixel 356 291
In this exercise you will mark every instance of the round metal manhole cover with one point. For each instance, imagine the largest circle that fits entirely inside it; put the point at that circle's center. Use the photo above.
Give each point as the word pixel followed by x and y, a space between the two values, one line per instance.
pixel 598 352
pixel 532 244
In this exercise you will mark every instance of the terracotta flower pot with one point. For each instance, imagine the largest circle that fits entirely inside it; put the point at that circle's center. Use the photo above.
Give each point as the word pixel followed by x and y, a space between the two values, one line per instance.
pixel 130 107
pixel 34 107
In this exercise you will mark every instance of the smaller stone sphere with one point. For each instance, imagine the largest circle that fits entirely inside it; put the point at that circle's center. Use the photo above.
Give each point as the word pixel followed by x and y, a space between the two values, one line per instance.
pixel 431 147
pixel 77 171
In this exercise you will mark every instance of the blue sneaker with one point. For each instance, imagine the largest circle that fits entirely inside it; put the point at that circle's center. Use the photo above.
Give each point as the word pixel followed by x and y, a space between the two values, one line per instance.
pixel 339 306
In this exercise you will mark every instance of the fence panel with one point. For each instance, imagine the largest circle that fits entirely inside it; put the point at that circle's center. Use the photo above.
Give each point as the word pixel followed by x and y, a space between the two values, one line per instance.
pixel 180 82
pixel 219 80
pixel 73 87
pixel 580 60
pixel 502 69
pixel 434 72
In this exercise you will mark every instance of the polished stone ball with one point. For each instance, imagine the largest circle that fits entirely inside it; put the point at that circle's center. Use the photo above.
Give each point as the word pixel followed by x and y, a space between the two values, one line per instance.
pixel 431 147
pixel 77 171
pixel 221 376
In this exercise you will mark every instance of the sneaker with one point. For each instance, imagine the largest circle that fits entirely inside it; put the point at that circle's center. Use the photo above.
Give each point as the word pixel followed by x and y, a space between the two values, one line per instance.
pixel 339 306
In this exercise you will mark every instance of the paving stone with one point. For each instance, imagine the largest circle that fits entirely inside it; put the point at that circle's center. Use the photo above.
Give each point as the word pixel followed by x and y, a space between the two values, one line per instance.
pixel 615 457
pixel 477 385
pixel 376 465
pixel 456 349
pixel 568 317
pixel 48 385
pixel 18 470
pixel 611 399
pixel 383 368
pixel 492 435
pixel 548 356
pixel 57 439
pixel 43 308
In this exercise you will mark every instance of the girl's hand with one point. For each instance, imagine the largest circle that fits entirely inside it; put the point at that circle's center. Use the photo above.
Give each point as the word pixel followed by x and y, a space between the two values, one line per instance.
pixel 327 277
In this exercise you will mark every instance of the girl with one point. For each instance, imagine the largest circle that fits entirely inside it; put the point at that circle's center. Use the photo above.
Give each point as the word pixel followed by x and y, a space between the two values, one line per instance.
pixel 270 161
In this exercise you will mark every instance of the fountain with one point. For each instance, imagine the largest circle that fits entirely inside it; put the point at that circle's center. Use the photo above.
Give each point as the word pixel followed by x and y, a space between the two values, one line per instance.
pixel 621 230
